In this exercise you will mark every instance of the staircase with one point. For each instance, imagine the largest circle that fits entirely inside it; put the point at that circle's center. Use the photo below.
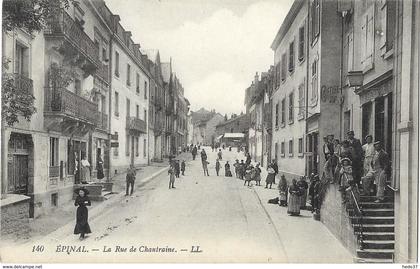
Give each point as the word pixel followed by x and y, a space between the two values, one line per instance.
pixel 375 230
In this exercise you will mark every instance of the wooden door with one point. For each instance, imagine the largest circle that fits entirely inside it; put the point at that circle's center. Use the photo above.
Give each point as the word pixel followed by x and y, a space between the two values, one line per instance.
pixel 18 174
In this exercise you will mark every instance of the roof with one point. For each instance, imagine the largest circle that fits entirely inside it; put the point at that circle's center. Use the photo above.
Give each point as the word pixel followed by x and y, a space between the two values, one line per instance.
pixel 166 71
pixel 233 135
pixel 288 20
pixel 231 120
pixel 151 54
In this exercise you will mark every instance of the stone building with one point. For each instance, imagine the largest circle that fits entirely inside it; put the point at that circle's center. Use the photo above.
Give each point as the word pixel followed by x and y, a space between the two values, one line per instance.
pixel 289 94
pixel 204 126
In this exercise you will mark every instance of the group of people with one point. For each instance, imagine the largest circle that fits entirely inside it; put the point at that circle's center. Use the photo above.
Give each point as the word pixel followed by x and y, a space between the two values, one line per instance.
pixel 175 169
pixel 355 167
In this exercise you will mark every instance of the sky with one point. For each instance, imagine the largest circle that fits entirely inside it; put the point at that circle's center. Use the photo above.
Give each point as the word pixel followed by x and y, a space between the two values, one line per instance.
pixel 216 46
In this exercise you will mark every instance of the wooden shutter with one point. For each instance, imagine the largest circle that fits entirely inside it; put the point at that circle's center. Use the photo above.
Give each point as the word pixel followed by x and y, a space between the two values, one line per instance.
pixel 370 35
pixel 363 40
pixel 350 53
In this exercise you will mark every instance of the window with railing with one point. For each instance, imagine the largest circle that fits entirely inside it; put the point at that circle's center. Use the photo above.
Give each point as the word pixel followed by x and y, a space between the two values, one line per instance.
pixel 283 67
pixel 137 83
pixel 145 90
pixel 300 146
pixel 128 75
pixel 116 104
pixel 301 50
pixel 283 111
pixel 315 18
pixel 291 107
pixel 292 56
pixel 290 147
pixel 117 64
pixel 282 149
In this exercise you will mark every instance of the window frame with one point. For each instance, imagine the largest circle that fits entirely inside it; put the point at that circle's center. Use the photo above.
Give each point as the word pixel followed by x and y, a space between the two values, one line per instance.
pixel 117 64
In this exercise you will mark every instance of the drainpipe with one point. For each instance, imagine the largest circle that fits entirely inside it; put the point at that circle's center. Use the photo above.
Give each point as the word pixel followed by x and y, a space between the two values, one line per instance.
pixel 111 40
pixel 341 75
pixel 307 85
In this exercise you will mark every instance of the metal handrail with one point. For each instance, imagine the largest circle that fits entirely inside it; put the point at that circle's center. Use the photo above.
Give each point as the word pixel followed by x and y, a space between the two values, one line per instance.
pixel 359 220
pixel 392 188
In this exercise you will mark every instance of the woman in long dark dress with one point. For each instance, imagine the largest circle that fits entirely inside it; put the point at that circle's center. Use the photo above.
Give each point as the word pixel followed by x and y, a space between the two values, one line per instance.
pixel 283 191
pixel 293 208
pixel 100 168
pixel 271 174
pixel 82 201
pixel 228 173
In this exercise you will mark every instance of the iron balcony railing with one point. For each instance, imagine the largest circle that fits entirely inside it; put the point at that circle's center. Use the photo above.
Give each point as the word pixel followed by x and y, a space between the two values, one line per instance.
pixel 23 83
pixel 63 25
pixel 63 101
pixel 103 121
pixel 102 72
pixel 54 171
pixel 136 124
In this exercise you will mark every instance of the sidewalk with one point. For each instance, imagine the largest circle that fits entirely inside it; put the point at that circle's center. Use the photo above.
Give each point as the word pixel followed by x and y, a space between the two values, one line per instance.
pixel 305 239
pixel 62 217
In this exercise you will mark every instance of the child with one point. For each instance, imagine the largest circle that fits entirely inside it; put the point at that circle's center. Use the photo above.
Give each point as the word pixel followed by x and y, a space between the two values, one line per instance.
pixel 236 165
pixel 257 174
pixel 248 172
pixel 346 178
pixel 217 167
pixel 183 167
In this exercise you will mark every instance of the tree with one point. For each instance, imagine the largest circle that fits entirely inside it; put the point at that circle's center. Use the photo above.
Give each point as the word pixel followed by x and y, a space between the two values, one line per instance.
pixel 30 16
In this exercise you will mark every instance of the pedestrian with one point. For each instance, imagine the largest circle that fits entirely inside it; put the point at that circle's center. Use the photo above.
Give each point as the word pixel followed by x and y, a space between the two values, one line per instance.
pixel 326 148
pixel 241 169
pixel 271 174
pixel 381 167
pixel 313 192
pixel 219 154
pixel 205 167
pixel 183 167
pixel 303 186
pixel 237 167
pixel 130 179
pixel 368 153
pixel 294 203
pixel 357 157
pixel 230 148
pixel 177 168
pixel 248 159
pixel 194 152
pixel 100 168
pixel 248 172
pixel 336 154
pixel 257 174
pixel 203 155
pixel 217 167
pixel 228 173
pixel 346 151
pixel 212 147
pixel 85 170
pixel 283 191
pixel 171 173
pixel 82 201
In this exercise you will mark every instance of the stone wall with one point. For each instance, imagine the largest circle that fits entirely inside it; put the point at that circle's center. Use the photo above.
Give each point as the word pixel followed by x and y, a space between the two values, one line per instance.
pixel 14 214
pixel 335 218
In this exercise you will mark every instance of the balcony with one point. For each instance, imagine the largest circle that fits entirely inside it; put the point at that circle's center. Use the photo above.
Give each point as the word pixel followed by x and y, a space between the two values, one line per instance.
pixel 54 171
pixel 103 121
pixel 73 42
pixel 136 125
pixel 68 112
pixel 103 72
pixel 22 83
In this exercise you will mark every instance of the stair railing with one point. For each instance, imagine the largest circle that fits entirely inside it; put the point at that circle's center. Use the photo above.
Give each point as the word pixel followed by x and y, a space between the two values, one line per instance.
pixel 357 209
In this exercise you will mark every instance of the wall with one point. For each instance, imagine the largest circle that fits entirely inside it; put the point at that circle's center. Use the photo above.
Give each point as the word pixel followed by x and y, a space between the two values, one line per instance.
pixel 14 215
pixel 210 129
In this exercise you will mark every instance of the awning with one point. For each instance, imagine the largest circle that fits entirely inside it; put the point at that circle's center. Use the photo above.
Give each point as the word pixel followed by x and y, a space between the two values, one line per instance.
pixel 219 137
pixel 233 135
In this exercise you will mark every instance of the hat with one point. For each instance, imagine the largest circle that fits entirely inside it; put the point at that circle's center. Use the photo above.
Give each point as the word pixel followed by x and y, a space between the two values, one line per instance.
pixel 77 190
pixel 368 136
pixel 377 143
pixel 350 133
pixel 345 159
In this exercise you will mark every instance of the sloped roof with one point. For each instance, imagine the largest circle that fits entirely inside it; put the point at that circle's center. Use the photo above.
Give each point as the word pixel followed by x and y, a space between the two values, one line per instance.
pixel 151 54
pixel 166 71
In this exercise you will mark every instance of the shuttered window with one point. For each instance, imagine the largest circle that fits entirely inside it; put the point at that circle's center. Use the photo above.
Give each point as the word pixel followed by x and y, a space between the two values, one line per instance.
pixel 368 38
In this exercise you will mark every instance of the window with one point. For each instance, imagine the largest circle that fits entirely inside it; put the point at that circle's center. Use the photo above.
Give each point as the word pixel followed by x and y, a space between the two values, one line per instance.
pixel 301 105
pixel 104 56
pixel 350 49
pixel 117 64
pixel 367 38
pixel 116 105
pixel 145 115
pixel 291 147
pixel 127 145
pixel 291 107
pixel 283 111
pixel 301 49
pixel 144 147
pixel 283 67
pixel 137 83
pixel 54 151
pixel 314 83
pixel 22 60
pixel 116 151
pixel 300 145
pixel 128 108
pixel 145 90
pixel 292 56
pixel 277 115
pixel 137 146
pixel 276 151
pixel 138 111
pixel 278 76
pixel 128 75
pixel 314 19
pixel 282 150
pixel 390 23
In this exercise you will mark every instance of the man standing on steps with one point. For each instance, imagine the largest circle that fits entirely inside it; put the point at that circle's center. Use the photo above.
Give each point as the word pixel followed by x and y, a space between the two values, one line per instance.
pixel 380 164
pixel 356 157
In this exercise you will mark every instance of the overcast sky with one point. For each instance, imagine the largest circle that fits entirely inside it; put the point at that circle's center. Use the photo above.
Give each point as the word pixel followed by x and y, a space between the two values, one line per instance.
pixel 216 45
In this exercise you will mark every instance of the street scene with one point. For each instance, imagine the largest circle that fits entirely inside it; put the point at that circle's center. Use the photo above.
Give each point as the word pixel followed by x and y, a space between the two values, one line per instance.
pixel 222 131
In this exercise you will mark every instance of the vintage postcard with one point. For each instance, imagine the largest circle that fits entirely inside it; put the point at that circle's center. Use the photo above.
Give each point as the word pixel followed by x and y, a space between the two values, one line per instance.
pixel 210 131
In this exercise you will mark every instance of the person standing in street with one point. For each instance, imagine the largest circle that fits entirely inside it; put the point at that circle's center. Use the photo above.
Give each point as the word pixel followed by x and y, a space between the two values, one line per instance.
pixel 241 170
pixel 203 155
pixel 271 174
pixel 217 167
pixel 303 186
pixel 283 191
pixel 177 168
pixel 294 204
pixel 82 201
pixel 85 170
pixel 228 173
pixel 183 167
pixel 380 164
pixel 257 174
pixel 194 152
pixel 248 159
pixel 100 168
pixel 205 164
pixel 130 179
pixel 236 166
pixel 171 173
pixel 219 154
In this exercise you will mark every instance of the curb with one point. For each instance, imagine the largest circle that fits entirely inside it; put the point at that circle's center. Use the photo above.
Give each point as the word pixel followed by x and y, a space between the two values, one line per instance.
pixel 96 211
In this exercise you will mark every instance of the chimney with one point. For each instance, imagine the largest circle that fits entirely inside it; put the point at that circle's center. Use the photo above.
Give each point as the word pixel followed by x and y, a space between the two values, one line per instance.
pixel 136 46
